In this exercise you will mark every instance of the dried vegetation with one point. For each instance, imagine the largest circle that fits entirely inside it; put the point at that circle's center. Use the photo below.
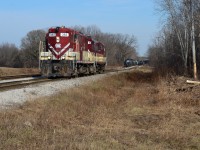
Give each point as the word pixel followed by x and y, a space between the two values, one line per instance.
pixel 5 71
pixel 133 110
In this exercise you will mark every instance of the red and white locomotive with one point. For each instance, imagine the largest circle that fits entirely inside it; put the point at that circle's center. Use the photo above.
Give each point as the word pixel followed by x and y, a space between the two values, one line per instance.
pixel 67 52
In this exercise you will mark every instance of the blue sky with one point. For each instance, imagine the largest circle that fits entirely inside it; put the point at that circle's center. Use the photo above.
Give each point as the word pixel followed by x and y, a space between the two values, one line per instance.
pixel 136 17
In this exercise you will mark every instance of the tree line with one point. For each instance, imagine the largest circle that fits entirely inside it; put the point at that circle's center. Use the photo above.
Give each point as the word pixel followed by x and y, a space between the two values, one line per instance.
pixel 172 48
pixel 118 47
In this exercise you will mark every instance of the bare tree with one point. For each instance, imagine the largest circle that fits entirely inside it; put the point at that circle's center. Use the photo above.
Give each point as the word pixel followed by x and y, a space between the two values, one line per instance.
pixel 92 30
pixel 179 18
pixel 119 47
pixel 30 47
pixel 127 46
pixel 180 31
pixel 9 55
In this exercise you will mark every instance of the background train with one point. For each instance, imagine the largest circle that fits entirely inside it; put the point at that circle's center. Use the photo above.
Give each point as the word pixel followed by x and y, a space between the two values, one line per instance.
pixel 131 62
pixel 67 52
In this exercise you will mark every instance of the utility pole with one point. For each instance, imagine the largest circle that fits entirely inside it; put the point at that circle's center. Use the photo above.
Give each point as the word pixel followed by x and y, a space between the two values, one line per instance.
pixel 193 42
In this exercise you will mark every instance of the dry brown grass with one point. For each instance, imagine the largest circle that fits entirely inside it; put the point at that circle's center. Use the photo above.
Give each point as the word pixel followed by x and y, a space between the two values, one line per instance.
pixel 135 110
pixel 17 71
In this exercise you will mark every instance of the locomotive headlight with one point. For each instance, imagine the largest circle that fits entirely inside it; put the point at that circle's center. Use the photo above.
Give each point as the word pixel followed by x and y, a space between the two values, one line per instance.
pixel 63 57
pixel 57 39
pixel 49 57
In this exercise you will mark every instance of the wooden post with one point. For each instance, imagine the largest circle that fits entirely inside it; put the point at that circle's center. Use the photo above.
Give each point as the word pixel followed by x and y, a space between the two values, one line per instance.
pixel 192 82
pixel 40 47
pixel 193 43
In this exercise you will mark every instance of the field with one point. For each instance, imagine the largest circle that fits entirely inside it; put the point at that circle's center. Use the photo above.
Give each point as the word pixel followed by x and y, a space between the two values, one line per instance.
pixel 4 71
pixel 133 110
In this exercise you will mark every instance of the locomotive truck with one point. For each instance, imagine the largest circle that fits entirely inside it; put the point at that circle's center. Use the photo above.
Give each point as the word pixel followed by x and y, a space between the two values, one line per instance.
pixel 67 52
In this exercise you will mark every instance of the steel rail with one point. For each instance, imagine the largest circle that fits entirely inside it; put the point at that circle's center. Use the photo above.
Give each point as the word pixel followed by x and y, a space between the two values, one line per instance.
pixel 8 85
pixel 18 76
pixel 20 84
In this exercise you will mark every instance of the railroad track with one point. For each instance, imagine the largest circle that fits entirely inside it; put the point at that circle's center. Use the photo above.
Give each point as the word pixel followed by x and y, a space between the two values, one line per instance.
pixel 18 76
pixel 20 81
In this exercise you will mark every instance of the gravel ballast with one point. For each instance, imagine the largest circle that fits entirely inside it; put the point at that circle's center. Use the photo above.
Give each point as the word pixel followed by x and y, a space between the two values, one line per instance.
pixel 31 92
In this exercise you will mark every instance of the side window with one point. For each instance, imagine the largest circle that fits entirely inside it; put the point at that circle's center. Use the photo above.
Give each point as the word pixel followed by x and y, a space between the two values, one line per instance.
pixel 93 48
pixel 100 47
pixel 75 37
pixel 96 48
